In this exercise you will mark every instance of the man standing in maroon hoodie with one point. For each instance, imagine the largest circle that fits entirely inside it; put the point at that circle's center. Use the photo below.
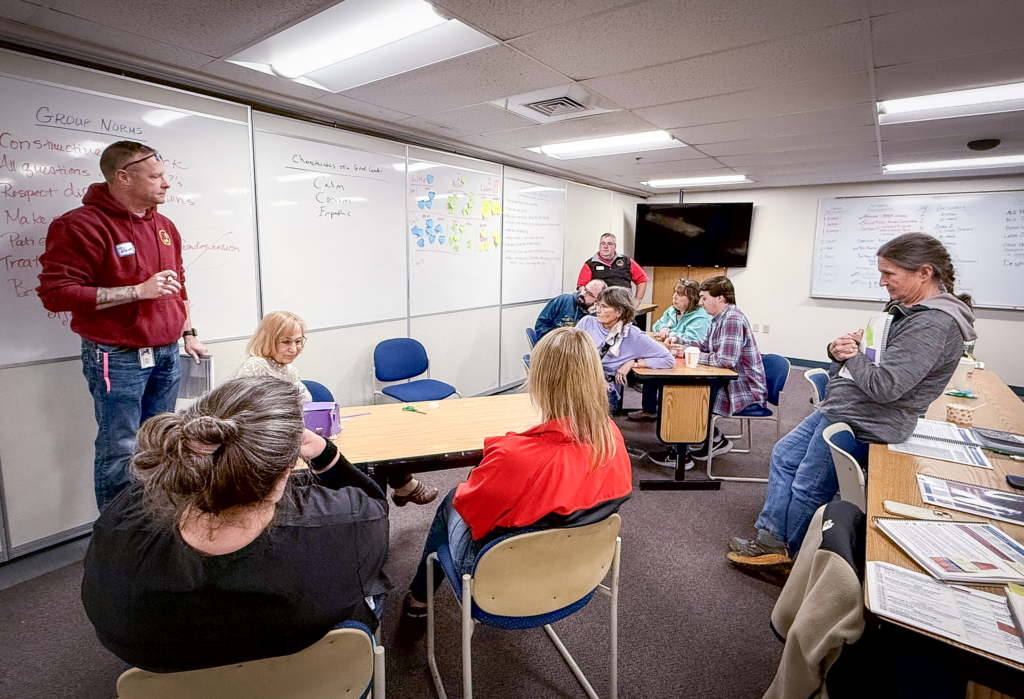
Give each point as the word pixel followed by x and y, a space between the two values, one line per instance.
pixel 115 264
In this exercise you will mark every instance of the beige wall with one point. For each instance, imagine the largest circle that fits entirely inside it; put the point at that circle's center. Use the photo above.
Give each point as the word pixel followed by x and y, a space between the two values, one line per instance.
pixel 774 288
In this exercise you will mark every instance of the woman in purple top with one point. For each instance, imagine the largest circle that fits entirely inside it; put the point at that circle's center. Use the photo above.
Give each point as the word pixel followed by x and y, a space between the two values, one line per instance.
pixel 621 344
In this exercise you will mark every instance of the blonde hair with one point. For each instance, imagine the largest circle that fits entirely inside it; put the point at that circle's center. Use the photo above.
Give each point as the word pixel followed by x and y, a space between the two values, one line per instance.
pixel 225 451
pixel 272 328
pixel 567 383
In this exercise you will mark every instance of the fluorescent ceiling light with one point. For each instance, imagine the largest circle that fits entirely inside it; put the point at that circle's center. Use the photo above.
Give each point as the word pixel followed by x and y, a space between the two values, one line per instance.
pixel 698 181
pixel 944 105
pixel 962 164
pixel 612 145
pixel 360 41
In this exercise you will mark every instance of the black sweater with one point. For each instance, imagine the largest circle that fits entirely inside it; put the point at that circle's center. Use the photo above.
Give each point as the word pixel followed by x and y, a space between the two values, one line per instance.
pixel 160 605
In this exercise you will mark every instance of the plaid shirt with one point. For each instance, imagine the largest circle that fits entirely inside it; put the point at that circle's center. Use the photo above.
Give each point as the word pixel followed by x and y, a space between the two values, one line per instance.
pixel 730 343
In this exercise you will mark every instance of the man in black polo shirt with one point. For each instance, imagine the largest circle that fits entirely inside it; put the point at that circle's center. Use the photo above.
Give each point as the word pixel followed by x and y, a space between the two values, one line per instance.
pixel 612 269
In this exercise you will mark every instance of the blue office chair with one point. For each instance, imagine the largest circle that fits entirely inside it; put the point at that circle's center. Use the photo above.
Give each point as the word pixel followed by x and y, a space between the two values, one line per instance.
pixel 526 363
pixel 318 392
pixel 401 359
pixel 819 380
pixel 532 337
pixel 776 371
pixel 522 581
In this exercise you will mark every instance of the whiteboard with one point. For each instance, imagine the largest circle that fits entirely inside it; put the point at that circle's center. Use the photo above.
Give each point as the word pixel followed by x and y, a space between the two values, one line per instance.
pixel 332 230
pixel 984 234
pixel 454 232
pixel 532 239
pixel 50 144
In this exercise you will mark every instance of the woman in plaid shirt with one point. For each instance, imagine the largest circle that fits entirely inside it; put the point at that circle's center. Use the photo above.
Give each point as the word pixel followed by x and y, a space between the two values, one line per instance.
pixel 730 344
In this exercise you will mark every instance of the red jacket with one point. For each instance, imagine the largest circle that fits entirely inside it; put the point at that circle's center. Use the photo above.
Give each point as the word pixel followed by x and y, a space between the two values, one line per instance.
pixel 524 477
pixel 102 244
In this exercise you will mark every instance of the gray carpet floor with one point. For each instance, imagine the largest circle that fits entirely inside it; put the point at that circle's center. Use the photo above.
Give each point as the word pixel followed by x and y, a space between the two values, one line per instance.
pixel 690 625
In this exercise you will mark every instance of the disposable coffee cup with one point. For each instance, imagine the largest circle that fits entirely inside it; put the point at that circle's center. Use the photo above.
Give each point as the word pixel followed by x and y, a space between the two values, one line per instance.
pixel 692 356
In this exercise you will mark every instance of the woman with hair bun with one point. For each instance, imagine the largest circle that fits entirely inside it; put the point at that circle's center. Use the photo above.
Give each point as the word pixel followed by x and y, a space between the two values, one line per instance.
pixel 217 553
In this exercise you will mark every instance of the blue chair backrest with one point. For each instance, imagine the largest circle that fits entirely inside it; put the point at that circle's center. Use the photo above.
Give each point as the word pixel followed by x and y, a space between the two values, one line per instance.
pixel 318 392
pixel 820 381
pixel 526 360
pixel 848 443
pixel 531 334
pixel 401 358
pixel 776 371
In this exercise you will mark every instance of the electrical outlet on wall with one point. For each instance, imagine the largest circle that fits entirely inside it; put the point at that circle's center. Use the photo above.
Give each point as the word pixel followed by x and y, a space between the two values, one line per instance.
pixel 766 328
pixel 757 327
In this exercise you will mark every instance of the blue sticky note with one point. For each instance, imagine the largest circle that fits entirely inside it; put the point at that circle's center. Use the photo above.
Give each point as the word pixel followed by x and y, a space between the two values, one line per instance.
pixel 430 196
pixel 430 223
pixel 419 242
pixel 432 237
pixel 437 228
pixel 430 179
pixel 440 239
pixel 428 203
pixel 417 231
pixel 419 204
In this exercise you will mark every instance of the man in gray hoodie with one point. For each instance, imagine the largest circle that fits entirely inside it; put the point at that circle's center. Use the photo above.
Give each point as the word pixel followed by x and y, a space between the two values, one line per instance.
pixel 881 402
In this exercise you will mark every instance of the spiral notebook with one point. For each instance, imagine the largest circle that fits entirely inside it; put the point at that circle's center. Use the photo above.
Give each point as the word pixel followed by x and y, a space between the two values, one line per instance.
pixel 944 441
pixel 973 499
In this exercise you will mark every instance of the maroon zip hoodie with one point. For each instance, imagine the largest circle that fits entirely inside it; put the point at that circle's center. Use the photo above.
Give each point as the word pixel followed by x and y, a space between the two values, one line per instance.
pixel 102 244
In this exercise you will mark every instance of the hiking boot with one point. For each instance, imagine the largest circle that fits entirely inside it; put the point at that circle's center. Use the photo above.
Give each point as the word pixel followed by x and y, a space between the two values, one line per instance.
pixel 764 550
pixel 721 446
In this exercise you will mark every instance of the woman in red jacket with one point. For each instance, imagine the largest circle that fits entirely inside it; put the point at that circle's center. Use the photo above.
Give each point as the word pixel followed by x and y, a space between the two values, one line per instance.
pixel 570 470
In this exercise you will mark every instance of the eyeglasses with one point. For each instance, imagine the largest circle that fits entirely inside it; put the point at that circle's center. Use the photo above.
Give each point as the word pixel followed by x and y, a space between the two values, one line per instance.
pixel 288 343
pixel 154 155
pixel 688 282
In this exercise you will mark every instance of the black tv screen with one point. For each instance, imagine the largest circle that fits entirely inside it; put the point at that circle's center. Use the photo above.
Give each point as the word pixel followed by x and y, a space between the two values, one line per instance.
pixel 692 235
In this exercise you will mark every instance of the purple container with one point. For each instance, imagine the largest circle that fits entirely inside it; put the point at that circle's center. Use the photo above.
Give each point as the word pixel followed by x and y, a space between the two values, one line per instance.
pixel 322 418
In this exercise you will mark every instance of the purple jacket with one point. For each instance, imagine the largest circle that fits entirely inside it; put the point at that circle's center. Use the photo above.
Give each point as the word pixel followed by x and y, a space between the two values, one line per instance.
pixel 635 345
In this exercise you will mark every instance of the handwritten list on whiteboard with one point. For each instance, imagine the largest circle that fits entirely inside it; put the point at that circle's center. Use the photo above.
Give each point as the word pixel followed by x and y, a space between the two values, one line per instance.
pixel 984 234
pixel 532 253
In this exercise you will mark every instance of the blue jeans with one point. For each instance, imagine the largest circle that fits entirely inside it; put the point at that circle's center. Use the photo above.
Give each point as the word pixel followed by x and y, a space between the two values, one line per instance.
pixel 447 527
pixel 134 395
pixel 802 478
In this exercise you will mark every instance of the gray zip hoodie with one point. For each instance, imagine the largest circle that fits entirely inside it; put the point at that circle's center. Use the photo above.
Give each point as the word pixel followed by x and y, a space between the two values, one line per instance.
pixel 882 403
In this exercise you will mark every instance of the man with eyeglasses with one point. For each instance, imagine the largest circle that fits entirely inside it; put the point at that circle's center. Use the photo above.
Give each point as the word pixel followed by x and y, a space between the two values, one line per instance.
pixel 115 264
pixel 613 269
pixel 567 309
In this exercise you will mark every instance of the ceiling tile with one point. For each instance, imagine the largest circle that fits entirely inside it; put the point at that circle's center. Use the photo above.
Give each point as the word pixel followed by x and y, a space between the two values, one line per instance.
pixel 978 70
pixel 810 95
pixel 211 28
pixel 786 125
pixel 480 119
pixel 860 165
pixel 507 20
pixel 862 134
pixel 421 124
pixel 271 83
pixel 354 106
pixel 477 77
pixel 611 163
pixel 829 52
pixel 685 168
pixel 968 128
pixel 885 7
pixel 597 126
pixel 809 155
pixel 656 32
pixel 117 39
pixel 1010 140
pixel 945 31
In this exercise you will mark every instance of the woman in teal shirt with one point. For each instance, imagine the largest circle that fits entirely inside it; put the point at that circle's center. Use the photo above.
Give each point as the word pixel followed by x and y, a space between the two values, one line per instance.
pixel 685 318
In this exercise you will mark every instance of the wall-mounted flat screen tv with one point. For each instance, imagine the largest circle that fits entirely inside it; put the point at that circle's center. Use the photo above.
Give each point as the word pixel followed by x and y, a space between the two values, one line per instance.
pixel 692 235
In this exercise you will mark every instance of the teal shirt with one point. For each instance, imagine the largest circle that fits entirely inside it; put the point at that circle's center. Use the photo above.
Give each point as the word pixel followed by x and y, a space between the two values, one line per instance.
pixel 689 327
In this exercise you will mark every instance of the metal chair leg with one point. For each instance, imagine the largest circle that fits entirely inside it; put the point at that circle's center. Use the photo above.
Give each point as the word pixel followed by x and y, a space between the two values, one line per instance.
pixel 711 458
pixel 467 636
pixel 613 680
pixel 379 689
pixel 431 658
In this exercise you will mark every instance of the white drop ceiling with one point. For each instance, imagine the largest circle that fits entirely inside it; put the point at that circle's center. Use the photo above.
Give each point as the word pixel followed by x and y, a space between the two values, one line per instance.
pixel 782 91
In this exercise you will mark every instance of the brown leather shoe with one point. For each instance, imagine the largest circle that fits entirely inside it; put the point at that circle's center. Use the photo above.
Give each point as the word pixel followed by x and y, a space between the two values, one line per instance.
pixel 420 495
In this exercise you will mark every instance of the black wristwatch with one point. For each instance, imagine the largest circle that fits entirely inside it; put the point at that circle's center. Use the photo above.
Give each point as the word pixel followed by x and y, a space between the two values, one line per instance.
pixel 191 331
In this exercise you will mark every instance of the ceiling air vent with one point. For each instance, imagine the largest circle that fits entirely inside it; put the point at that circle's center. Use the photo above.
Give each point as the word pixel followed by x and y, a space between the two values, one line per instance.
pixel 556 104
pixel 559 106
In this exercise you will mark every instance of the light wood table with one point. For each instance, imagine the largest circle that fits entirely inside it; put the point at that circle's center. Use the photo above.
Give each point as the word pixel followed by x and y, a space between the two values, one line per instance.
pixel 643 313
pixel 893 476
pixel 390 439
pixel 684 416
